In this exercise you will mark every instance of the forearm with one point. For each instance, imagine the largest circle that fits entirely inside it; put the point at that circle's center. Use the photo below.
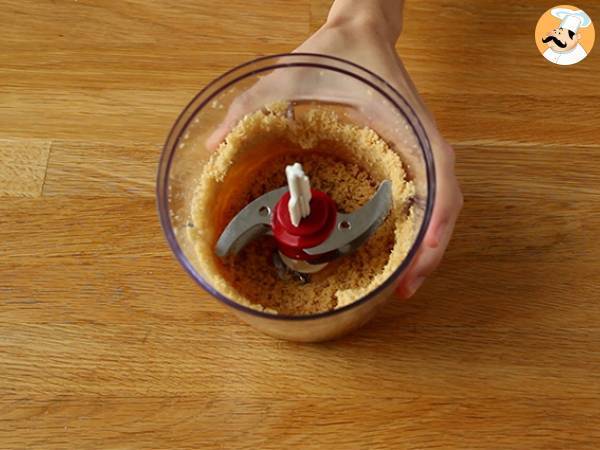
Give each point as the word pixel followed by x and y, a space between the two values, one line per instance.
pixel 383 16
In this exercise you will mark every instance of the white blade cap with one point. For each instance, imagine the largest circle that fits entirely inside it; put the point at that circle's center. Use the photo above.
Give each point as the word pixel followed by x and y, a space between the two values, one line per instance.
pixel 299 187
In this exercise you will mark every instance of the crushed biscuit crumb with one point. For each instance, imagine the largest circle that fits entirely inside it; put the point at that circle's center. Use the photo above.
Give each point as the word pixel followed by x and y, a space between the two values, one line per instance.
pixel 341 159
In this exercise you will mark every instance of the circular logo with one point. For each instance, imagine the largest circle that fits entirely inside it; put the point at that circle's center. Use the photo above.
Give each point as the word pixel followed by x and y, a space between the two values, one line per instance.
pixel 564 35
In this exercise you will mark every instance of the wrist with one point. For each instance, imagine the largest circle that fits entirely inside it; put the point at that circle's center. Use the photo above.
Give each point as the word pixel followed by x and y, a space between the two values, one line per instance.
pixel 382 18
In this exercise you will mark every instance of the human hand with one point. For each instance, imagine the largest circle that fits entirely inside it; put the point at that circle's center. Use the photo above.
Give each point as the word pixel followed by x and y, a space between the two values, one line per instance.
pixel 369 41
pixel 366 34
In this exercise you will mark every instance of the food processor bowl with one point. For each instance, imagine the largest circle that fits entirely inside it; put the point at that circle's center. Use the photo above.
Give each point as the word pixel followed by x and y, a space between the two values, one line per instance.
pixel 353 92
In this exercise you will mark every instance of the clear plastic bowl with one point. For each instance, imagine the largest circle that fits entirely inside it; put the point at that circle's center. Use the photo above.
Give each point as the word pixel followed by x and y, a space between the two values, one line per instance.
pixel 331 82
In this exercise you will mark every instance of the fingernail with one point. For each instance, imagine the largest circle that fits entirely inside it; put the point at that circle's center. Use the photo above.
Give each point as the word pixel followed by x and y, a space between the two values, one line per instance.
pixel 415 285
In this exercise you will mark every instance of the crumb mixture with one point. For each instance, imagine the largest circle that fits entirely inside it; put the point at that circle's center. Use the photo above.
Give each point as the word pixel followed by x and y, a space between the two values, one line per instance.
pixel 341 159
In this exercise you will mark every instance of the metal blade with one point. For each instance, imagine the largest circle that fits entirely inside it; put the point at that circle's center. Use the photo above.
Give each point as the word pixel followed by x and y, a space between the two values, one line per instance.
pixel 251 222
pixel 351 230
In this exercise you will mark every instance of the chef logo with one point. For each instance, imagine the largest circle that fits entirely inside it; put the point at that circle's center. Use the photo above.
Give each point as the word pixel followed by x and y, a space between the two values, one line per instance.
pixel 564 35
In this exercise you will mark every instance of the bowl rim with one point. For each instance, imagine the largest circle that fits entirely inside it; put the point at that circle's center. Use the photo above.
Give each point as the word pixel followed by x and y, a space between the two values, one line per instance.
pixel 168 152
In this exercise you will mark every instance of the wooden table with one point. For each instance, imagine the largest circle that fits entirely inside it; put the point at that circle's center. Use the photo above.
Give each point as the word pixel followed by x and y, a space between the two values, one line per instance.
pixel 105 342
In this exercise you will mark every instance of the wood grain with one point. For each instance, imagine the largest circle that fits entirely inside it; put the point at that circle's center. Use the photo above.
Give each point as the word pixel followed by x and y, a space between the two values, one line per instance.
pixel 130 423
pixel 23 167
pixel 106 343
pixel 101 169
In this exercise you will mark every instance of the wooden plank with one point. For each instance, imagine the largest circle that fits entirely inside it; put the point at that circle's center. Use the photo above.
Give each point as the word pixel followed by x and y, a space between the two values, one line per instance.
pixel 23 167
pixel 72 87
pixel 78 168
pixel 492 294
pixel 193 66
pixel 181 68
pixel 55 226
pixel 43 362
pixel 62 226
pixel 529 201
pixel 100 169
pixel 152 26
pixel 146 288
pixel 231 421
pixel 534 171
pixel 524 120
pixel 71 70
pixel 106 115
pixel 463 119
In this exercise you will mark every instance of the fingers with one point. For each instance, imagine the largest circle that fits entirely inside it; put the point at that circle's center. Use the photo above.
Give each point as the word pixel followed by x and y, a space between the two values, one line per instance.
pixel 427 260
pixel 448 203
pixel 449 199
pixel 265 91
pixel 282 84
pixel 238 109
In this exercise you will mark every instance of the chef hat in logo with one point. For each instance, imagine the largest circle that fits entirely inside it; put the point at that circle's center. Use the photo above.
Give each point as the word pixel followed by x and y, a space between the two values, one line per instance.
pixel 571 19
